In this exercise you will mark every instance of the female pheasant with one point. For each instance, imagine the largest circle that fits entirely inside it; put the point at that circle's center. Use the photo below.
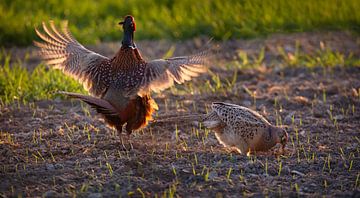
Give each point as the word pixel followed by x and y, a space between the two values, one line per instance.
pixel 239 127
pixel 120 87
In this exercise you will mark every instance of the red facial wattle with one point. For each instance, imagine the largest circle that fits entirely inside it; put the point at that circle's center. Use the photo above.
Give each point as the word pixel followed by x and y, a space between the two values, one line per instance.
pixel 133 22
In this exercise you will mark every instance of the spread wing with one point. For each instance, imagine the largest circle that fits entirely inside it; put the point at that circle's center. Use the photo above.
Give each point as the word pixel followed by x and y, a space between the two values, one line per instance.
pixel 162 73
pixel 60 50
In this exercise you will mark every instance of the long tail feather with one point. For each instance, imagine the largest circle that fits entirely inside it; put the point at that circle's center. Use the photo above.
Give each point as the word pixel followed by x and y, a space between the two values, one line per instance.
pixel 100 105
pixel 176 118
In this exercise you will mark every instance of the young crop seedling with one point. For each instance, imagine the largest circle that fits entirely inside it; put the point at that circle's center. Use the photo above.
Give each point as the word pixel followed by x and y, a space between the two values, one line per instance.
pixel 229 173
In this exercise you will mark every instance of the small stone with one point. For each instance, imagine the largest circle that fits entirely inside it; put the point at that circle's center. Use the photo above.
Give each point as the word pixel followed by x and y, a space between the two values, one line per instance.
pixel 186 171
pixel 246 103
pixel 301 99
pixel 355 93
pixel 289 117
pixel 49 194
pixel 213 175
pixel 339 117
pixel 95 195
pixel 297 173
pixel 57 99
pixel 59 166
pixel 318 113
pixel 50 167
pixel 302 133
pixel 285 170
pixel 251 175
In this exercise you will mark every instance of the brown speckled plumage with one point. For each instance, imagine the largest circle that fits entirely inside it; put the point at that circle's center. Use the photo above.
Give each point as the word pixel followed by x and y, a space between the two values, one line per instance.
pixel 239 127
pixel 120 87
pixel 242 128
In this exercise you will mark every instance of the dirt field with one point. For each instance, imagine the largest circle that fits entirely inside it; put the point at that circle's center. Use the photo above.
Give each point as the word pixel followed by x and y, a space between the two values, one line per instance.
pixel 62 148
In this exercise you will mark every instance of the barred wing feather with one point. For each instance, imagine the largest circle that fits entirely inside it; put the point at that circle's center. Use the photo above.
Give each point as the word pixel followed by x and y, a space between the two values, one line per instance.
pixel 62 51
pixel 160 74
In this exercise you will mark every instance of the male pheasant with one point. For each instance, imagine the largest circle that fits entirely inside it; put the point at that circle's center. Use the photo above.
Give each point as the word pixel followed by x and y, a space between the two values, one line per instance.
pixel 239 127
pixel 120 86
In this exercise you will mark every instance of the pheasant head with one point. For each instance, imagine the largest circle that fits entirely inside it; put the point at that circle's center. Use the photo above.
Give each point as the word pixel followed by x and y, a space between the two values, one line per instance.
pixel 129 28
pixel 280 135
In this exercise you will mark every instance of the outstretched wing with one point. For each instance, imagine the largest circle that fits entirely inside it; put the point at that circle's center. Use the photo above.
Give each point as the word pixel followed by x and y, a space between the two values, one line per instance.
pixel 61 50
pixel 161 73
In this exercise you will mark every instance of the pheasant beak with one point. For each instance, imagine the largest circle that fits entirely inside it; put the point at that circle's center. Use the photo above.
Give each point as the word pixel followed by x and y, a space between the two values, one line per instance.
pixel 121 23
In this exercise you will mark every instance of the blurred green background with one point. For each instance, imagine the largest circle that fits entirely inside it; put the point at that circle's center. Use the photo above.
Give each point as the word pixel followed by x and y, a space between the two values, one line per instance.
pixel 93 21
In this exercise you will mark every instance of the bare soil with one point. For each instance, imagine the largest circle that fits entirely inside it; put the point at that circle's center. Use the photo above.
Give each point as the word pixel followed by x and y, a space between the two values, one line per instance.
pixel 61 148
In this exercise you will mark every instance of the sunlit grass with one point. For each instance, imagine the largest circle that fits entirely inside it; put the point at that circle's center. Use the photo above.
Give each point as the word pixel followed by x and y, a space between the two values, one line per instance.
pixel 92 21
pixel 19 84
